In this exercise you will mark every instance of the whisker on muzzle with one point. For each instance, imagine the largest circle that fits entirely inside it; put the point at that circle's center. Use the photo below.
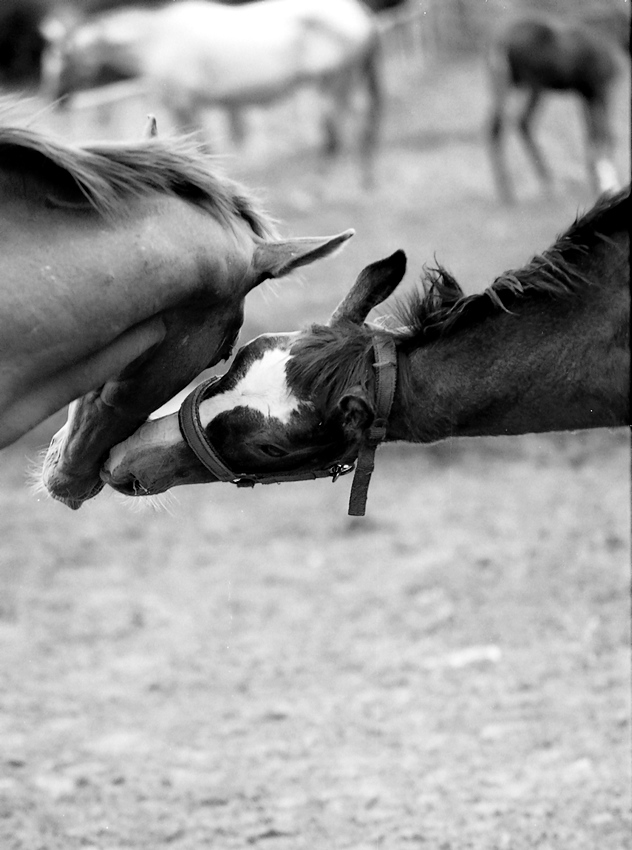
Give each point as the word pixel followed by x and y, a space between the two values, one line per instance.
pixel 35 474
pixel 158 503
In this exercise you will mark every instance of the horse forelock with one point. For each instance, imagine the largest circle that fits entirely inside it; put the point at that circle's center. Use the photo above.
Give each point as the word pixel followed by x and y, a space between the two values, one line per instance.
pixel 326 362
pixel 441 307
pixel 110 174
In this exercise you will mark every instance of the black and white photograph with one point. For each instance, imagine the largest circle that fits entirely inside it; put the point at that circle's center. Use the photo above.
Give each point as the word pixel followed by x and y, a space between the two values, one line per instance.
pixel 251 249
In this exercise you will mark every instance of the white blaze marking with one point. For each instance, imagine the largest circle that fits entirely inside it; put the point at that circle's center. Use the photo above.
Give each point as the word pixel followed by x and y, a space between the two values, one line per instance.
pixel 263 388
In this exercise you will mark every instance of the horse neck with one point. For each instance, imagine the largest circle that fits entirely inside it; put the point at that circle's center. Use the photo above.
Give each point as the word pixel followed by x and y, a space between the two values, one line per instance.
pixel 550 365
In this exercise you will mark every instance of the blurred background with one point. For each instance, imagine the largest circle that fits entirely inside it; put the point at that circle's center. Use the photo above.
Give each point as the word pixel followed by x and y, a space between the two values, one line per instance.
pixel 232 668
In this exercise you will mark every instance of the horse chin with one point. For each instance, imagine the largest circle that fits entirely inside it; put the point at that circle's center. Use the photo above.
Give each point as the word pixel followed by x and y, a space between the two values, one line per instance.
pixel 70 491
pixel 130 484
pixel 138 473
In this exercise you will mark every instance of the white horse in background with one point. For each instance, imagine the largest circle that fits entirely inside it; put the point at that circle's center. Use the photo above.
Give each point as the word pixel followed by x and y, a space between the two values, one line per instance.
pixel 197 54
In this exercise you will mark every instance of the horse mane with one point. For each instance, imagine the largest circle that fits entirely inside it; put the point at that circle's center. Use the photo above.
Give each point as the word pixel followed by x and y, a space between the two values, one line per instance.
pixel 441 308
pixel 327 361
pixel 109 174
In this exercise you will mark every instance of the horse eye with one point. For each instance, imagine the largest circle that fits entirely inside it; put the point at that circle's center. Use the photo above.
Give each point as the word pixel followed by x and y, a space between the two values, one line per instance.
pixel 272 450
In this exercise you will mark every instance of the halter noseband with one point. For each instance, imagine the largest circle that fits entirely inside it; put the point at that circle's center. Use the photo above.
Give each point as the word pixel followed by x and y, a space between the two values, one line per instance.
pixel 385 367
pixel 199 443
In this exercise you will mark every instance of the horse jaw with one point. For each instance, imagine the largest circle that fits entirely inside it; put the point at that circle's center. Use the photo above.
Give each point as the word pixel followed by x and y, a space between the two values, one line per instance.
pixel 55 480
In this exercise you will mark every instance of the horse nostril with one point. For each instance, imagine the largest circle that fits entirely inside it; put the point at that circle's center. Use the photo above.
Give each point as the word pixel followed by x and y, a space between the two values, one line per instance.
pixel 129 488
pixel 127 485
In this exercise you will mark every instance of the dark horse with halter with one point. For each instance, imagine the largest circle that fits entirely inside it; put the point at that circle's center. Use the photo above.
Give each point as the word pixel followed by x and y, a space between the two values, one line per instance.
pixel 541 53
pixel 123 273
pixel 544 348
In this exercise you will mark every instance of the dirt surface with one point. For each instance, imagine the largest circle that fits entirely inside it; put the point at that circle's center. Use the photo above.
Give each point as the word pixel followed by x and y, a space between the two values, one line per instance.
pixel 244 669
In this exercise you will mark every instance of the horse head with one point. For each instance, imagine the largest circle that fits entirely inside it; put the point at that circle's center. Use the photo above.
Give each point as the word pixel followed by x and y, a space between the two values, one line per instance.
pixel 125 270
pixel 291 405
pixel 191 337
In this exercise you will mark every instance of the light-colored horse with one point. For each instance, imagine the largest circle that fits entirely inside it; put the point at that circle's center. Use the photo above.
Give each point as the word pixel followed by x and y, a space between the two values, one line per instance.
pixel 197 54
pixel 123 274
pixel 545 348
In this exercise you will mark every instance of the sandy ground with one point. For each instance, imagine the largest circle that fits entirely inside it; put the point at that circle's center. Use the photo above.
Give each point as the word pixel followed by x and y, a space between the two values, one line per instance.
pixel 253 668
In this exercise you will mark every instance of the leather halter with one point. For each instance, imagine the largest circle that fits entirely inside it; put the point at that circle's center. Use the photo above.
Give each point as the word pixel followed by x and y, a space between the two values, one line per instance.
pixel 385 367
pixel 197 440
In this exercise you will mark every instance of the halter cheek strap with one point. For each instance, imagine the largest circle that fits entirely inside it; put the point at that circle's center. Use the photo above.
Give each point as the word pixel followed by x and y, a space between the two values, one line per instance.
pixel 385 367
pixel 193 433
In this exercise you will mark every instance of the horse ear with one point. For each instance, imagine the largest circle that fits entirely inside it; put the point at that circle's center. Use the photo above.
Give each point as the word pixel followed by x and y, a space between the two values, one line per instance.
pixel 374 284
pixel 357 413
pixel 151 127
pixel 276 259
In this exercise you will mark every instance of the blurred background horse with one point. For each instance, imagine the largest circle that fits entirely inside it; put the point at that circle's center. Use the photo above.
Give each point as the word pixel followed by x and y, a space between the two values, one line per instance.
pixel 91 48
pixel 197 54
pixel 539 53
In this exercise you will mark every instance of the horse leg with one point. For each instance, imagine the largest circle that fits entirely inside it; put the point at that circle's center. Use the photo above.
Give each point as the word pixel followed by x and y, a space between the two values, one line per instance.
pixel 525 123
pixel 501 87
pixel 237 125
pixel 600 146
pixel 371 70
pixel 340 93
pixel 331 94
pixel 187 118
pixel 336 94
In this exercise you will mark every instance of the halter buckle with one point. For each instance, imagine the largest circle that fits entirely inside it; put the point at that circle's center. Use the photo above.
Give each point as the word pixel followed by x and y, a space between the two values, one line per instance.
pixel 243 481
pixel 339 469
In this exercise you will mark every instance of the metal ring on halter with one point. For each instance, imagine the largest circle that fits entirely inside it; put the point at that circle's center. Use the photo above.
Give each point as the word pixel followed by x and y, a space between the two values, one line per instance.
pixel 385 367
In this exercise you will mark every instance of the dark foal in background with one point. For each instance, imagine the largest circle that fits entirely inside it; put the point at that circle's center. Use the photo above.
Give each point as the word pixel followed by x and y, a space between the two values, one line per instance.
pixel 541 53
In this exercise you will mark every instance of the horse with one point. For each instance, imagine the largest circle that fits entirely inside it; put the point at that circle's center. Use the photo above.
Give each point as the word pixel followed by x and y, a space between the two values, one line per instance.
pixel 124 271
pixel 540 53
pixel 544 348
pixel 196 54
